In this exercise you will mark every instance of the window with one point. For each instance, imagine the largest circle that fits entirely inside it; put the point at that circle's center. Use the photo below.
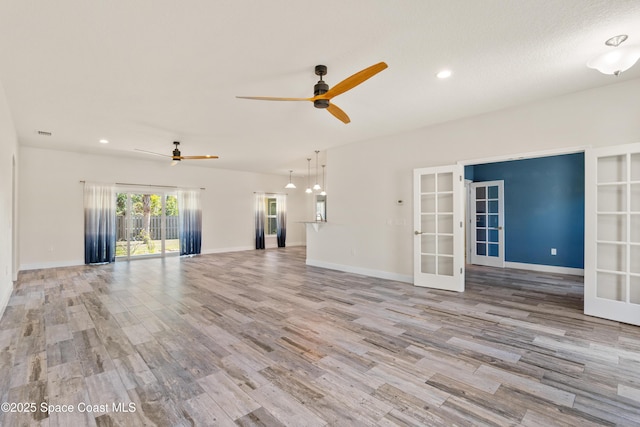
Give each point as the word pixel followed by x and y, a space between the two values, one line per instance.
pixel 272 218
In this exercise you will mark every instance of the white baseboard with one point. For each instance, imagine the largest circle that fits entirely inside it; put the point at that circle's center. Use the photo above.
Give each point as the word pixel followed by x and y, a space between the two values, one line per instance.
pixel 223 250
pixel 303 243
pixel 362 271
pixel 5 295
pixel 56 264
pixel 245 248
pixel 545 268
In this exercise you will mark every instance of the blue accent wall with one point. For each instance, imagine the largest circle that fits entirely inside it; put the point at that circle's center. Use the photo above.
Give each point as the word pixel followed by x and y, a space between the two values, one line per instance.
pixel 544 208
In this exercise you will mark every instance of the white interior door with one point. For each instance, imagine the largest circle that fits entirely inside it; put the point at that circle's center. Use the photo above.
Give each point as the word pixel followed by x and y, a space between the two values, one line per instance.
pixel 486 204
pixel 438 223
pixel 612 233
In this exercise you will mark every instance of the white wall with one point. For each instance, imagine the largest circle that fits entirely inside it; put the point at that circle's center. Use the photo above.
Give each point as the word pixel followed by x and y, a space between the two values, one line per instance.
pixel 51 202
pixel 370 234
pixel 8 152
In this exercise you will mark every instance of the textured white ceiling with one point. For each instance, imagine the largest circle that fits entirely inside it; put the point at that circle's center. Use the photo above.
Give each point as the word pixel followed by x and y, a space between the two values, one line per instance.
pixel 145 73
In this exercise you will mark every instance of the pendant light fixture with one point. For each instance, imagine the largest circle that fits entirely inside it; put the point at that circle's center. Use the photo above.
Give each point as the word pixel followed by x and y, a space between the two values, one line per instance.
pixel 308 190
pixel 615 61
pixel 324 188
pixel 316 187
pixel 290 184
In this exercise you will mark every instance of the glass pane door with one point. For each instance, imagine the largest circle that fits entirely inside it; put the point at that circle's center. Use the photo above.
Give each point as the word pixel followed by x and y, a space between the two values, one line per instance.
pixel 172 239
pixel 439 241
pixel 612 236
pixel 487 223
pixel 146 224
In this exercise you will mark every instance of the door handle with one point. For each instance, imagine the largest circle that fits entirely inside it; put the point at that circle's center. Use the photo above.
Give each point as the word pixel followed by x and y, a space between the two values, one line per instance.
pixel 417 233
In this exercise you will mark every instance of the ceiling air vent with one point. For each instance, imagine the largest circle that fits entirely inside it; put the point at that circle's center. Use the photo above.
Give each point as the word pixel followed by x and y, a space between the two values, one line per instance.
pixel 44 133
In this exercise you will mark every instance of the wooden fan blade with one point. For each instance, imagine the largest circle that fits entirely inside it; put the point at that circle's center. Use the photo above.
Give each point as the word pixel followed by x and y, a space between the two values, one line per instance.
pixel 271 98
pixel 151 152
pixel 198 157
pixel 353 81
pixel 338 113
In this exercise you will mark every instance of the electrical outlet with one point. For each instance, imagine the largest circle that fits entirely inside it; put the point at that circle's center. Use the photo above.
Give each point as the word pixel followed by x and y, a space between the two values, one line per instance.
pixel 554 251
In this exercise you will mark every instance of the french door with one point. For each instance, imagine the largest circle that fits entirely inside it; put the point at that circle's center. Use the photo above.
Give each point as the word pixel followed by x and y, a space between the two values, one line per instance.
pixel 612 233
pixel 438 228
pixel 486 206
pixel 146 224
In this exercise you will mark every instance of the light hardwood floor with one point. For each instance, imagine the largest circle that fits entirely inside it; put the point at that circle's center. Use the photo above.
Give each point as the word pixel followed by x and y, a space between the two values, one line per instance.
pixel 258 338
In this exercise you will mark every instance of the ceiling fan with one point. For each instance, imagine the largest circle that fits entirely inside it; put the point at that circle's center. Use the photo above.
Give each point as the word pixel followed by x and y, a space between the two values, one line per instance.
pixel 322 94
pixel 177 156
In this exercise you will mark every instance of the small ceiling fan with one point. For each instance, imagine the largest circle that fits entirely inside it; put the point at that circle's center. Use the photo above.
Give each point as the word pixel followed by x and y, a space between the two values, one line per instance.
pixel 322 93
pixel 176 156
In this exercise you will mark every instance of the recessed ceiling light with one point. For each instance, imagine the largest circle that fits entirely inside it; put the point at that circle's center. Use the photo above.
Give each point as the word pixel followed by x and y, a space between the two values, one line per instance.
pixel 444 74
pixel 104 141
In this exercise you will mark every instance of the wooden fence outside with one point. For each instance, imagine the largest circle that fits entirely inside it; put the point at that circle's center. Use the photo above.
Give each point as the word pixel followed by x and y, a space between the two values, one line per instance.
pixel 154 229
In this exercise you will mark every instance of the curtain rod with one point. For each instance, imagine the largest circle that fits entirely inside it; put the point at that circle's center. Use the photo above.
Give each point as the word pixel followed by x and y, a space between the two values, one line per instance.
pixel 148 185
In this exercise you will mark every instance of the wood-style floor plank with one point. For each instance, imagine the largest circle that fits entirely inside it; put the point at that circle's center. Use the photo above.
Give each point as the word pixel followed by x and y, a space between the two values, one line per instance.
pixel 258 338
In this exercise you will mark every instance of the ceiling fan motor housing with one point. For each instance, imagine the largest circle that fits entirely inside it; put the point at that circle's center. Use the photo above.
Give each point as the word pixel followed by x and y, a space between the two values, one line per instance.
pixel 176 152
pixel 321 87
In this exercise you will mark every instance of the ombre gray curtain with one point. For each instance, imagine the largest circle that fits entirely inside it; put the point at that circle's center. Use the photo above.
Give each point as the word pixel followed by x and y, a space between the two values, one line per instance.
pixel 281 219
pixel 259 200
pixel 189 222
pixel 99 224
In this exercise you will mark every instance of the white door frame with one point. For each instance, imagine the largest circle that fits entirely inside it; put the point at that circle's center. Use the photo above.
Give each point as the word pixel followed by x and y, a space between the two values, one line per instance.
pixel 510 158
pixel 14 220
pixel 467 219
pixel 523 156
pixel 593 305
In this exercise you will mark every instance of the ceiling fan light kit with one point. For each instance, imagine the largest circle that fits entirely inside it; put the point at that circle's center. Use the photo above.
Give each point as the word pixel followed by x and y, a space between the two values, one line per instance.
pixel 322 94
pixel 617 60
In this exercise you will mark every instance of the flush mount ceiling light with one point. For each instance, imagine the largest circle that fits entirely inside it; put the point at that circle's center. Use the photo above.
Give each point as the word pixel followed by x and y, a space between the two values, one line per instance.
pixel 444 74
pixel 290 184
pixel 103 141
pixel 615 61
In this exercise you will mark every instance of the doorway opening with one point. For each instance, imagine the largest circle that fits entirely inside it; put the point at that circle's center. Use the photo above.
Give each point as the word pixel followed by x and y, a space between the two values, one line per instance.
pixel 608 244
pixel 541 223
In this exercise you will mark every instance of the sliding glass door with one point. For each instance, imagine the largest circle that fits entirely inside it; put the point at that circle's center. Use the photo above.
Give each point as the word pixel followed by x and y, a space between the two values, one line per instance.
pixel 146 224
